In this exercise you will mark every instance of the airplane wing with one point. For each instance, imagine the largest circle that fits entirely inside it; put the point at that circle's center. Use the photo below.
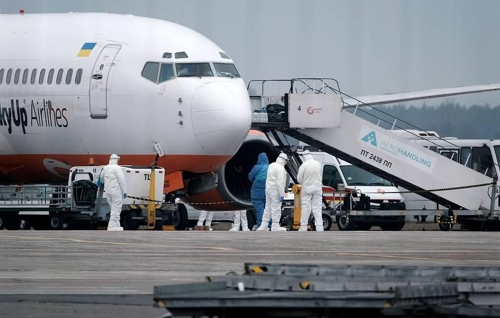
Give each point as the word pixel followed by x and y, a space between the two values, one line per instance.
pixel 404 97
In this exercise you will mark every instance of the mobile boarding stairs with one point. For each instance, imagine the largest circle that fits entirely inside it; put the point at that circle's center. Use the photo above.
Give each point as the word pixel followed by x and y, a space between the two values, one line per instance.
pixel 313 111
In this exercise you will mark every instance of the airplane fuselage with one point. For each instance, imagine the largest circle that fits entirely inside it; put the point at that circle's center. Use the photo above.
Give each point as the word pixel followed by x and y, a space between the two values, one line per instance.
pixel 75 86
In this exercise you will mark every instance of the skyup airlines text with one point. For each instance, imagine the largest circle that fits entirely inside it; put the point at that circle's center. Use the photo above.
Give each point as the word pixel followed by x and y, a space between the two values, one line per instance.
pixel 32 116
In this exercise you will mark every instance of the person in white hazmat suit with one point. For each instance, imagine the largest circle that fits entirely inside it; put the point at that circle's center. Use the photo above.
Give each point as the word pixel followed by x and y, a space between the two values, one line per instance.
pixel 240 220
pixel 310 177
pixel 206 216
pixel 115 189
pixel 275 194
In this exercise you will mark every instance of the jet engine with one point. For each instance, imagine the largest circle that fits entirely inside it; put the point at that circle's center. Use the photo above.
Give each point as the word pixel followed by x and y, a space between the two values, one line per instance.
pixel 228 188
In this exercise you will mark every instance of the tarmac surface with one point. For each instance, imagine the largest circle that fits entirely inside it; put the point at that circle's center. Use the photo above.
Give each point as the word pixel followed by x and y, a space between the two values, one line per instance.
pixel 112 274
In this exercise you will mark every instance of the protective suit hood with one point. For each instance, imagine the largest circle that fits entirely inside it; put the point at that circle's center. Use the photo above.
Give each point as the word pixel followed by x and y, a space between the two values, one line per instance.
pixel 282 159
pixel 262 159
pixel 307 157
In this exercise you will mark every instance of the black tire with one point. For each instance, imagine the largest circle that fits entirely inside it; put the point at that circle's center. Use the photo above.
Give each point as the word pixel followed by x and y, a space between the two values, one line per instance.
pixel 2 221
pixel 392 226
pixel 127 221
pixel 180 218
pixel 445 226
pixel 56 222
pixel 252 219
pixel 327 222
pixel 158 223
pixel 344 223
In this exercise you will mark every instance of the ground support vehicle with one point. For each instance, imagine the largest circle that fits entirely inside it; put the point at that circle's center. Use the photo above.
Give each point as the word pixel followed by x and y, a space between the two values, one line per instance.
pixel 315 111
pixel 81 204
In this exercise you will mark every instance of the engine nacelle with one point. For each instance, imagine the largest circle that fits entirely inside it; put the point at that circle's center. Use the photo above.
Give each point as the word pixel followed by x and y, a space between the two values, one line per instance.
pixel 228 188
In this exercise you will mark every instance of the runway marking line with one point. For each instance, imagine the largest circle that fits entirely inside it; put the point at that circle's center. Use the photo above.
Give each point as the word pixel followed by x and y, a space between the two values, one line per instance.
pixel 115 243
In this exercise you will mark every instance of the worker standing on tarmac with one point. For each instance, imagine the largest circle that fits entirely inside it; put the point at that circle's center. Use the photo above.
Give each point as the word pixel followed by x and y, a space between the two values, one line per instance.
pixel 206 216
pixel 275 194
pixel 115 189
pixel 240 219
pixel 310 178
pixel 258 177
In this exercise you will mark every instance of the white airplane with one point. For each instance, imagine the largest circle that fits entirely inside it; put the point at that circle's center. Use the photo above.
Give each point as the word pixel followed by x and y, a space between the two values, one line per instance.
pixel 75 86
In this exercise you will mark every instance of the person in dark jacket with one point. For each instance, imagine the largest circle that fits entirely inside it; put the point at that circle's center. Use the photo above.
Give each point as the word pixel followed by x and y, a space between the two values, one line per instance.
pixel 258 177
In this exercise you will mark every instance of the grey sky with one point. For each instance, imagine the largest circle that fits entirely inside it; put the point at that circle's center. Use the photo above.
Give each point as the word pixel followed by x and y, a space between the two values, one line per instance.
pixel 371 47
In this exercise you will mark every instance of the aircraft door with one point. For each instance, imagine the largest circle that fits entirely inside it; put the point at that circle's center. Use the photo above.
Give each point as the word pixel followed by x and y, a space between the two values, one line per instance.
pixel 99 84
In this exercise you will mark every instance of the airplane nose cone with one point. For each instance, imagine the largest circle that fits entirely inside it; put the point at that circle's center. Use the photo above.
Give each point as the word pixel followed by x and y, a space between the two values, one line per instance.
pixel 222 116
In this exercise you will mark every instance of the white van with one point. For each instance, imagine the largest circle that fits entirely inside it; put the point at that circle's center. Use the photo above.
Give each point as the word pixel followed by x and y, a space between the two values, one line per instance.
pixel 337 171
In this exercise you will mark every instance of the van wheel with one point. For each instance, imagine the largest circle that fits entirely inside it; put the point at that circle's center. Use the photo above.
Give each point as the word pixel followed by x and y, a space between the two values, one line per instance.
pixel 180 218
pixel 344 223
pixel 327 222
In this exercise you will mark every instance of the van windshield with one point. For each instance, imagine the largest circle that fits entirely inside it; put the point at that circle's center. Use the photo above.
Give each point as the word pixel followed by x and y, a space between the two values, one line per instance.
pixel 355 176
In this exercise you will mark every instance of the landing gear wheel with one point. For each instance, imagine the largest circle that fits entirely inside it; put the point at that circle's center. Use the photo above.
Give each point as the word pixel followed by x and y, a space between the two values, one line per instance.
pixel 344 223
pixel 180 218
pixel 392 226
pixel 445 226
pixel 56 222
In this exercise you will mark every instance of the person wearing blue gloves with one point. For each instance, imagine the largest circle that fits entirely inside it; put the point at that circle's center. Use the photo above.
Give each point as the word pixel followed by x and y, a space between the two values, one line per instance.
pixel 258 177
pixel 115 189
pixel 275 194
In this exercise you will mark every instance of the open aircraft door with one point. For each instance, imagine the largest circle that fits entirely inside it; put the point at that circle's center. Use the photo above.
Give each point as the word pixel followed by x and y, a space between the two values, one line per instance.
pixel 99 84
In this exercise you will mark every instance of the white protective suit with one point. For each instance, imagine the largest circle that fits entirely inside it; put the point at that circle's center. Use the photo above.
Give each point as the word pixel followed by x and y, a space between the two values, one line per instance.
pixel 275 192
pixel 206 217
pixel 310 177
pixel 240 219
pixel 115 190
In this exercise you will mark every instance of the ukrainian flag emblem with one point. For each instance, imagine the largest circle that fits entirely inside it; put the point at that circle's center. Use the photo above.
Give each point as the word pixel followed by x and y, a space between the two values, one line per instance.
pixel 86 49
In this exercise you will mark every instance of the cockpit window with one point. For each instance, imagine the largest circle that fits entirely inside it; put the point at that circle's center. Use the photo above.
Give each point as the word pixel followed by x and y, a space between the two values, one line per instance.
pixel 150 71
pixel 193 69
pixel 181 55
pixel 224 55
pixel 226 70
pixel 166 73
